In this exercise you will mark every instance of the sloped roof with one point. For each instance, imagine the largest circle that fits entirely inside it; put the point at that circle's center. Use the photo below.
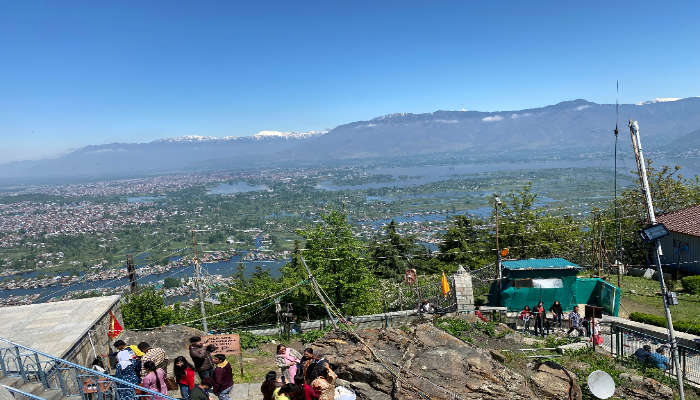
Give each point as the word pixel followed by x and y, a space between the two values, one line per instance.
pixel 540 263
pixel 686 221
pixel 53 327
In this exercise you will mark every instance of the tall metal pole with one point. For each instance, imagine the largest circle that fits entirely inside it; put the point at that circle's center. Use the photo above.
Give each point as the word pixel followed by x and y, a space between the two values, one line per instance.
pixel 618 225
pixel 497 202
pixel 641 165
pixel 131 271
pixel 198 282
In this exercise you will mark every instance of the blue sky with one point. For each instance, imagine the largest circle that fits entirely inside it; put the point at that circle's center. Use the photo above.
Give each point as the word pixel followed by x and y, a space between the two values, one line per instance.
pixel 77 73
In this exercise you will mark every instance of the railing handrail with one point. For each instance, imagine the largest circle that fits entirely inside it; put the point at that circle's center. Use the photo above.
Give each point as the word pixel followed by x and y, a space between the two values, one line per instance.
pixel 659 338
pixel 91 371
pixel 23 393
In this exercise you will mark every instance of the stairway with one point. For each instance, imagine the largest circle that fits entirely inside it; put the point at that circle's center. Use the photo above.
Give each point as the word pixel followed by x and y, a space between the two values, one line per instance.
pixel 51 378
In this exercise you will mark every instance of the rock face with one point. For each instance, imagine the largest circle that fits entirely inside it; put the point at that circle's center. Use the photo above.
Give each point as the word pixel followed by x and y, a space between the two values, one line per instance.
pixel 555 382
pixel 641 388
pixel 173 339
pixel 426 359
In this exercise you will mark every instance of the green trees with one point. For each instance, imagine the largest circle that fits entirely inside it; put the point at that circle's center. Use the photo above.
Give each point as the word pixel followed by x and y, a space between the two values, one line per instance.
pixel 464 244
pixel 145 309
pixel 392 254
pixel 337 260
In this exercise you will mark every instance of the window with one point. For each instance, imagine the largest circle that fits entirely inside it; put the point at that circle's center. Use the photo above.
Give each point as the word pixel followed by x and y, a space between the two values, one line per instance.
pixel 522 283
pixel 553 283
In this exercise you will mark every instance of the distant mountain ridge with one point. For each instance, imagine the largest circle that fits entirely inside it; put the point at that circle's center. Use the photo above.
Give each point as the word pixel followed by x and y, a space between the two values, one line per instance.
pixel 569 126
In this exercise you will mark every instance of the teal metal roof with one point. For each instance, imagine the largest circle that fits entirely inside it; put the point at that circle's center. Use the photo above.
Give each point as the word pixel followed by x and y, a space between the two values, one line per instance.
pixel 540 263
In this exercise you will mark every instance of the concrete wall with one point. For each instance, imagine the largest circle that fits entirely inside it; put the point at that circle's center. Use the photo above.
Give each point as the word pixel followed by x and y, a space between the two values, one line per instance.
pixel 82 352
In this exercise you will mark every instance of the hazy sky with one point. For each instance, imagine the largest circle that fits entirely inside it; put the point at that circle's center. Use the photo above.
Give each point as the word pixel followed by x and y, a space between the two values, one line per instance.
pixel 75 73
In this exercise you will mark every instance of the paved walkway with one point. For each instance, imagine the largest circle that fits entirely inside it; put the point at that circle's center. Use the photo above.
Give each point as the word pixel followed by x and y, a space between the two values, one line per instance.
pixel 241 391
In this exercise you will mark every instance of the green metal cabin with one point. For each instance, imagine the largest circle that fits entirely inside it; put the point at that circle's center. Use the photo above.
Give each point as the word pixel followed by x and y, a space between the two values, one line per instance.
pixel 526 282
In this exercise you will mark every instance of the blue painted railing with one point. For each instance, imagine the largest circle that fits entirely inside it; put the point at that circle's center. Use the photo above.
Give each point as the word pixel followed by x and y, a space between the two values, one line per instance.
pixel 19 395
pixel 71 379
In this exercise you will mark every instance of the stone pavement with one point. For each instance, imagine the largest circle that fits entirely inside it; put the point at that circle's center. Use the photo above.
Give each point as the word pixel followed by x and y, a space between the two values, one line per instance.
pixel 241 391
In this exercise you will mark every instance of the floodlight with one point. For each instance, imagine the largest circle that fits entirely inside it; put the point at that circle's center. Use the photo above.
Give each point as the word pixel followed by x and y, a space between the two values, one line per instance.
pixel 654 232
pixel 601 384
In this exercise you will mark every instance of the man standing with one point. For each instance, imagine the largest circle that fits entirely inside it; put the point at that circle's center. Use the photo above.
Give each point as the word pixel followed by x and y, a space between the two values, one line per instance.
pixel 155 354
pixel 575 320
pixel 223 377
pixel 201 358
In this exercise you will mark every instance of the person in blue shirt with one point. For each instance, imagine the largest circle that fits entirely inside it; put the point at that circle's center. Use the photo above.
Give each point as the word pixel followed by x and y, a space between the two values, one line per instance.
pixel 659 360
pixel 643 353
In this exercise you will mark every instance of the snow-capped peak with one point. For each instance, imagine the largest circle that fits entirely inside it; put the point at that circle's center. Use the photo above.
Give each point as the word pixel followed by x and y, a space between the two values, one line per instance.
pixel 287 135
pixel 189 138
pixel 659 100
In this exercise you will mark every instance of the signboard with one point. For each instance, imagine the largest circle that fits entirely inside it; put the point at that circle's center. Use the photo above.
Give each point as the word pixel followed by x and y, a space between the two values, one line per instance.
pixel 225 344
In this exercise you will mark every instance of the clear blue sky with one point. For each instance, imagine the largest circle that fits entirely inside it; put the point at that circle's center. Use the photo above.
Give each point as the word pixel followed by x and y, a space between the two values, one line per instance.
pixel 75 73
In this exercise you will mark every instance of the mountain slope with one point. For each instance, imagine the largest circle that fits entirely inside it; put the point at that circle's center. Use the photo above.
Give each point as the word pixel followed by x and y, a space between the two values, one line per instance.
pixel 577 125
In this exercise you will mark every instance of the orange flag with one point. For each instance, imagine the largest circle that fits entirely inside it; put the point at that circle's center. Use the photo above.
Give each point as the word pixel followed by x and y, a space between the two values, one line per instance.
pixel 115 328
pixel 445 285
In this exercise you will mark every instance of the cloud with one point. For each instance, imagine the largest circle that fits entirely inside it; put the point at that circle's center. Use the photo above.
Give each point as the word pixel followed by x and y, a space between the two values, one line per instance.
pixel 516 116
pixel 492 119
pixel 659 100
pixel 579 108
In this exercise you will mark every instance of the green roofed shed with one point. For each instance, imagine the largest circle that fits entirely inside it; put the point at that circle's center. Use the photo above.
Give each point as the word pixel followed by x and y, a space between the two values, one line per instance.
pixel 526 282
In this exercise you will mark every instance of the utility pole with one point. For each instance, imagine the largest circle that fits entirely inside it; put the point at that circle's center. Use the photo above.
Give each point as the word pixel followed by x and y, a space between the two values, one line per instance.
pixel 131 273
pixel 318 291
pixel 618 225
pixel 198 282
pixel 641 167
pixel 496 203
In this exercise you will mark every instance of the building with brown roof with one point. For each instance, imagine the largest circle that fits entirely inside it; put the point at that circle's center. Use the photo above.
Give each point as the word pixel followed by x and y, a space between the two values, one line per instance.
pixel 681 249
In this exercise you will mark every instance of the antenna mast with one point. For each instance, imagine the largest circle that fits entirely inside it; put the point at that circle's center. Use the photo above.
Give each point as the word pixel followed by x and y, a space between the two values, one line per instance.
pixel 617 220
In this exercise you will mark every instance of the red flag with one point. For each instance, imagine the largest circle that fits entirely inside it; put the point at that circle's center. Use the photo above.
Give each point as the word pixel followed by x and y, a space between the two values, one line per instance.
pixel 115 328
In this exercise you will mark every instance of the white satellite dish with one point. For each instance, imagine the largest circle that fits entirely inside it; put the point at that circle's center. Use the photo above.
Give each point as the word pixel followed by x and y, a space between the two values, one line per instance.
pixel 601 384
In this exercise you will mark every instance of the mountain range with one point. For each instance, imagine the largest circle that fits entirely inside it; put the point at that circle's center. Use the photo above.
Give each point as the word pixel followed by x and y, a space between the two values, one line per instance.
pixel 574 126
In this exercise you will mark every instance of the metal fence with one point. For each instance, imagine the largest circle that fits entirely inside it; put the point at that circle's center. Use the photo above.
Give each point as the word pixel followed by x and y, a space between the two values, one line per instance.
pixel 71 379
pixel 20 395
pixel 624 341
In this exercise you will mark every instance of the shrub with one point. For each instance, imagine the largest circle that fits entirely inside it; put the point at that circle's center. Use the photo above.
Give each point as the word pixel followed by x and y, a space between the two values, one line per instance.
pixel 691 284
pixel 686 326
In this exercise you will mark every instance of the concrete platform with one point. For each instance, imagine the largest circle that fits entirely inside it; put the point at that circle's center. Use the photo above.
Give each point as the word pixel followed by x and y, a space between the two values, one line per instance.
pixel 53 328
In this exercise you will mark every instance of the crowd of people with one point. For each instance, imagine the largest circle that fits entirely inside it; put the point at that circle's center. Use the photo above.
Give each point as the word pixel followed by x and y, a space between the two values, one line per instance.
pixel 543 324
pixel 306 376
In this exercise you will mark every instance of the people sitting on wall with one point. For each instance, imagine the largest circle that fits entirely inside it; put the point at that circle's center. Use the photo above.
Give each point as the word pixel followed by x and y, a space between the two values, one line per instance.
pixel 557 313
pixel 575 321
pixel 156 355
pixel 525 316
pixel 477 312
pixel 643 353
pixel 659 360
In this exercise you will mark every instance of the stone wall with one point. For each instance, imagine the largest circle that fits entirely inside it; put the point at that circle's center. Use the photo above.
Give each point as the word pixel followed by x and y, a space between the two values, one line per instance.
pixel 82 352
pixel 464 292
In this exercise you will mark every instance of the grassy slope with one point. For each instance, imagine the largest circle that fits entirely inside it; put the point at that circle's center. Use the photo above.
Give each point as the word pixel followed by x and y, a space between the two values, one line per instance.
pixel 641 295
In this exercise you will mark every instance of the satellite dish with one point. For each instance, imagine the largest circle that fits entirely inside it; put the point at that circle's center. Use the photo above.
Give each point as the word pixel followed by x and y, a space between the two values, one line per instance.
pixel 601 384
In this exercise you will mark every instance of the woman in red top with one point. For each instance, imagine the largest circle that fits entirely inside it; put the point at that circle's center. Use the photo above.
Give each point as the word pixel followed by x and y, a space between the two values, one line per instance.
pixel 540 315
pixel 525 315
pixel 184 374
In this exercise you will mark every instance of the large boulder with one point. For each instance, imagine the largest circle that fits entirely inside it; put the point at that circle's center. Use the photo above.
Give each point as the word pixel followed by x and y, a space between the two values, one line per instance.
pixel 552 381
pixel 640 388
pixel 425 359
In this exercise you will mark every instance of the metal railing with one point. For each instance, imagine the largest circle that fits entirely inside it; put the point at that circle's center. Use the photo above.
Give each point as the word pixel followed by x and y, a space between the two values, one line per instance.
pixel 71 379
pixel 20 395
pixel 624 341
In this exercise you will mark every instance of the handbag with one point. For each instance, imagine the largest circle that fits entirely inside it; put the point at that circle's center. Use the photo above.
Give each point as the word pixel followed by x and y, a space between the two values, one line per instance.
pixel 171 383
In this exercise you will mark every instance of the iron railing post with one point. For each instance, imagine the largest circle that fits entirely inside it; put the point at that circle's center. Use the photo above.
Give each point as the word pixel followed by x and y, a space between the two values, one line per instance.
pixel 61 380
pixel 20 365
pixel 40 371
pixel 80 384
pixel 2 362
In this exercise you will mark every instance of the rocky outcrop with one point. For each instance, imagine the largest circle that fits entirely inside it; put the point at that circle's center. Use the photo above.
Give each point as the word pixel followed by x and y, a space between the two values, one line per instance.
pixel 425 359
pixel 552 381
pixel 641 388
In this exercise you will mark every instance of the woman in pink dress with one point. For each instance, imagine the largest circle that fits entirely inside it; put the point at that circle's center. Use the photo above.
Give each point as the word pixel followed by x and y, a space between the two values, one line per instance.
pixel 154 379
pixel 287 360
